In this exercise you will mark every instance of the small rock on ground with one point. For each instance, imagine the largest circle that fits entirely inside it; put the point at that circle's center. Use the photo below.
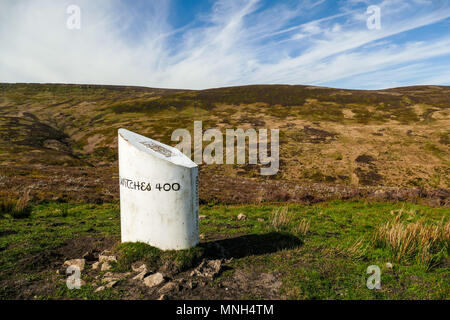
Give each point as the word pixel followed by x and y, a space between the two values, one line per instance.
pixel 76 262
pixel 140 276
pixel 96 265
pixel 101 288
pixel 242 217
pixel 111 284
pixel 208 268
pixel 103 258
pixel 169 287
pixel 109 276
pixel 105 266
pixel 154 280
pixel 139 269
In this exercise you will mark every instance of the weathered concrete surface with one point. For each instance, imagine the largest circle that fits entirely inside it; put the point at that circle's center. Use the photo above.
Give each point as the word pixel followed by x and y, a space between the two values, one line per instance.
pixel 158 193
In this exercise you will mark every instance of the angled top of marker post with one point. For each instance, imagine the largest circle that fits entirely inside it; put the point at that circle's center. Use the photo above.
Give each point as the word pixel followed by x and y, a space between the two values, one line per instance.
pixel 157 149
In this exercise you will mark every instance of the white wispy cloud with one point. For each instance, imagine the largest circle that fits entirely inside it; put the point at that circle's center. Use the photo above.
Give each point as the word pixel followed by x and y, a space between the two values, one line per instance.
pixel 237 42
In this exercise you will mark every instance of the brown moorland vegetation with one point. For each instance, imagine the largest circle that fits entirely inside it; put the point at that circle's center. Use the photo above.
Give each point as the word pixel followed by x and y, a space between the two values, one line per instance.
pixel 60 141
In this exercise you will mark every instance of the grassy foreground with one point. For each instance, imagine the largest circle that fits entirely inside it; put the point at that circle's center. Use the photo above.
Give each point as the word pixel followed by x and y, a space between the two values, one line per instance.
pixel 315 252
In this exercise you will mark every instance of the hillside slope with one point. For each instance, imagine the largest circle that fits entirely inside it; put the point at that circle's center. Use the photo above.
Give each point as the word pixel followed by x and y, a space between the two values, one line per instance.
pixel 58 139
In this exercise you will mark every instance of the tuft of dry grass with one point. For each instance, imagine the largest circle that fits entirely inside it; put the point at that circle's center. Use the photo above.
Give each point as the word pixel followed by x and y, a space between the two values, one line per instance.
pixel 415 241
pixel 6 206
pixel 17 209
pixel 302 227
pixel 356 251
pixel 24 201
pixel 283 220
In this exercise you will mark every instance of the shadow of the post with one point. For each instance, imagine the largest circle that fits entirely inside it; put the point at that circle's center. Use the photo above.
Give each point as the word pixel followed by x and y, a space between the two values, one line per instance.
pixel 248 245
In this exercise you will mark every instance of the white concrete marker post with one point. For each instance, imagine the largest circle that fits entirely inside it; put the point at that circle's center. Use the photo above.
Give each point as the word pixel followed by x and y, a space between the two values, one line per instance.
pixel 158 193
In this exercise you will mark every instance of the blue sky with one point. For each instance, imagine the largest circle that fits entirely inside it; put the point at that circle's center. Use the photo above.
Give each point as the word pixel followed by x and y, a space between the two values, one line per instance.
pixel 197 44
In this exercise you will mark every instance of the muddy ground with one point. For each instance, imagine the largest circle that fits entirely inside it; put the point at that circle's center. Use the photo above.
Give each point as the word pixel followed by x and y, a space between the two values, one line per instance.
pixel 49 272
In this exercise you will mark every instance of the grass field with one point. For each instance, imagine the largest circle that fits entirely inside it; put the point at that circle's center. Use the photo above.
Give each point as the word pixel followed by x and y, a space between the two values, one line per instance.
pixel 286 251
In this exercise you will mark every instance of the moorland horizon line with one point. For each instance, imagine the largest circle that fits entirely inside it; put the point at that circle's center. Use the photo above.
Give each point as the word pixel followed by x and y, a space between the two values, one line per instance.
pixel 214 88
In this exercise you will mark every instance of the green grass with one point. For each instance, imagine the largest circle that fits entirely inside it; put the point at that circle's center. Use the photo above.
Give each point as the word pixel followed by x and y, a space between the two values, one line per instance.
pixel 329 261
pixel 128 253
pixel 49 226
